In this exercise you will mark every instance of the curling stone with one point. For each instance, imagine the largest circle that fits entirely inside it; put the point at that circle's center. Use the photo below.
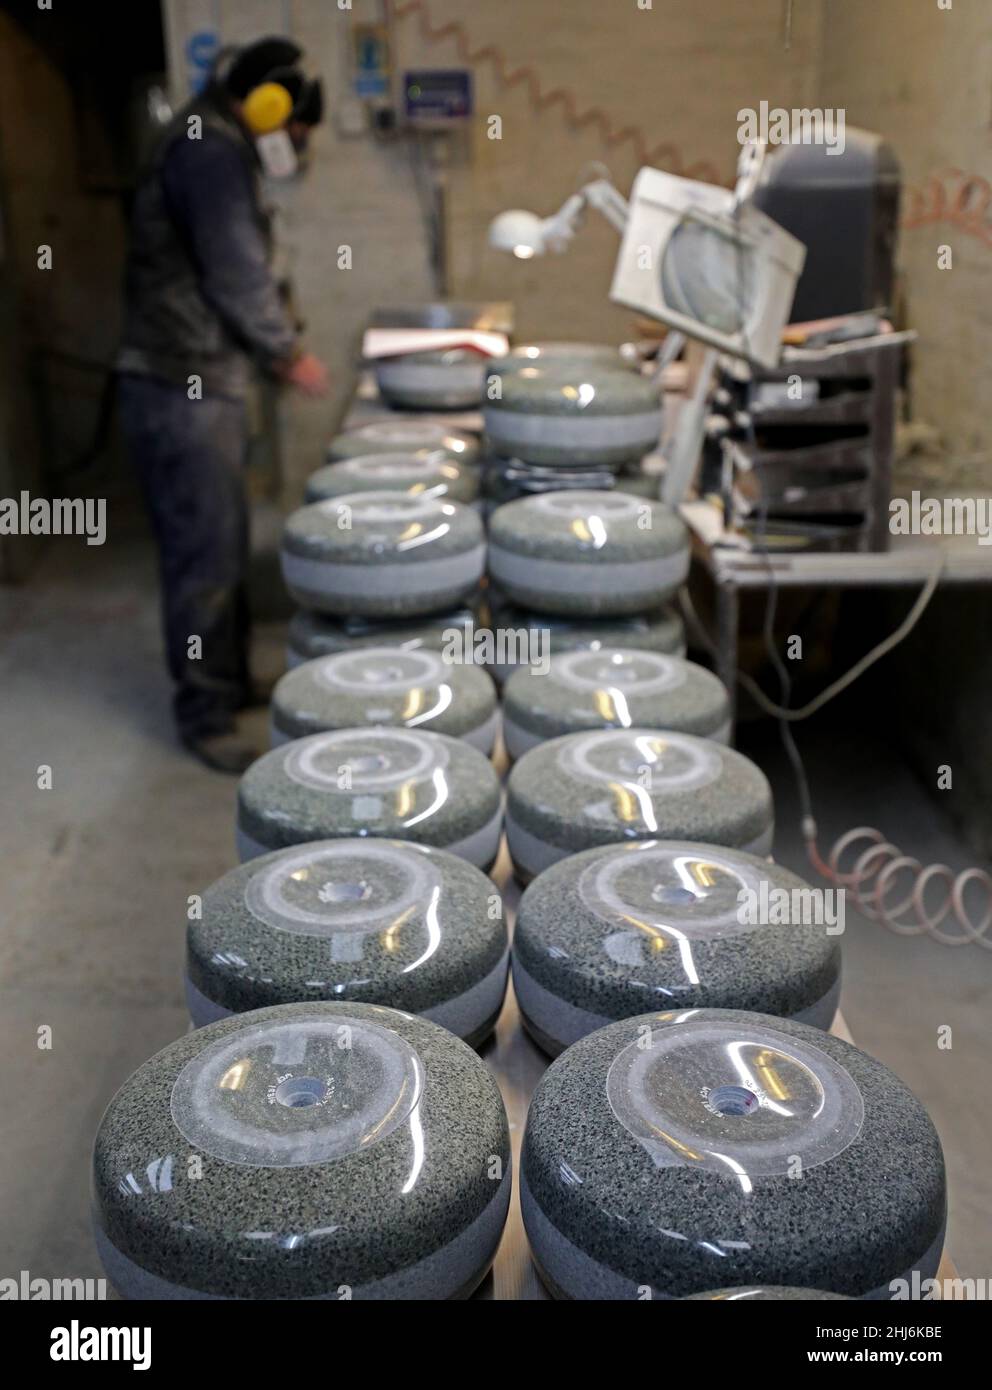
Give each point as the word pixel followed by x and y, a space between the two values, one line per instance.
pixel 561 357
pixel 604 934
pixel 449 379
pixel 382 555
pixel 533 638
pixel 584 418
pixel 395 784
pixel 386 685
pixel 672 1151
pixel 404 436
pixel 420 474
pixel 614 687
pixel 598 788
pixel 311 635
pixel 307 1151
pixel 587 554
pixel 371 921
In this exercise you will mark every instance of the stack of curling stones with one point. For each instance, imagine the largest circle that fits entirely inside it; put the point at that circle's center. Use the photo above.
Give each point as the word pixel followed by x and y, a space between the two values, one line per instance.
pixel 408 689
pixel 677 1152
pixel 367 921
pixel 327 1151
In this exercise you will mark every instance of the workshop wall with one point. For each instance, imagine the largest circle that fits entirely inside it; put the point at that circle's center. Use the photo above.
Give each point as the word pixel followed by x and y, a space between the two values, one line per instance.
pixel 676 73
pixel 919 75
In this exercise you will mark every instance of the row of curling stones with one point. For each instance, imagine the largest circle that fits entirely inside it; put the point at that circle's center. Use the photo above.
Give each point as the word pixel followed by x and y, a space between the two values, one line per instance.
pixel 304 1151
pixel 588 789
pixel 391 686
pixel 673 1152
pixel 378 782
pixel 613 687
pixel 367 921
pixel 382 555
pixel 605 934
pixel 587 554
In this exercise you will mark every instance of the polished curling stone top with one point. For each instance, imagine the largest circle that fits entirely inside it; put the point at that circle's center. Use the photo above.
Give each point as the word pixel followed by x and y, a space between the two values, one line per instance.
pixel 376 921
pixel 584 392
pixel 368 528
pixel 636 784
pixel 335 1146
pixel 386 686
pixel 404 436
pixel 420 473
pixel 403 784
pixel 613 687
pixel 619 928
pixel 560 356
pixel 764 1293
pixel 586 527
pixel 673 1150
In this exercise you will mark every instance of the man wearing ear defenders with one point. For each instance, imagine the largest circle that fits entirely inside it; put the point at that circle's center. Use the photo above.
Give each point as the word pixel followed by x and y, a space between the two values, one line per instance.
pixel 203 313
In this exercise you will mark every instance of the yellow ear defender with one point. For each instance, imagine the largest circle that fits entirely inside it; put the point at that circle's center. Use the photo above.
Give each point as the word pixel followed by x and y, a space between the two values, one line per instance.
pixel 267 107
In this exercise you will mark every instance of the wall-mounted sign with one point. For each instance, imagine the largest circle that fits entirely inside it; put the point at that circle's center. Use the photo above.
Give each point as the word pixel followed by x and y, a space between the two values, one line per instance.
pixel 437 96
pixel 370 44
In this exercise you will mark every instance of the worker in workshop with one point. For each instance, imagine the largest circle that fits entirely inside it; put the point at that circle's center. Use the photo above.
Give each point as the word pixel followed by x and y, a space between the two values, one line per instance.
pixel 203 311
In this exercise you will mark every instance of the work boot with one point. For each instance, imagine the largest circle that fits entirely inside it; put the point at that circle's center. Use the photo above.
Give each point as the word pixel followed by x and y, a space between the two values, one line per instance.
pixel 228 752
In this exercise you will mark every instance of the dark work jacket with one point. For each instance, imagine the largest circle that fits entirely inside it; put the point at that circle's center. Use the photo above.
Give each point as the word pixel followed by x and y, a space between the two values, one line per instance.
pixel 200 296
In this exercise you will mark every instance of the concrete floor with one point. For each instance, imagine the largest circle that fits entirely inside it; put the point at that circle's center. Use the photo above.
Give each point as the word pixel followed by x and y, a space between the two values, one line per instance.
pixel 97 870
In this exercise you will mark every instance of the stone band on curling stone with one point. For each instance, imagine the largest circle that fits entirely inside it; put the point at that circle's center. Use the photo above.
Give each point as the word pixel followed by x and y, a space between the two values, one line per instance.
pixel 448 379
pixel 371 921
pixel 671 1150
pixel 418 474
pixel 396 784
pixel 387 436
pixel 590 554
pixel 612 688
pixel 382 555
pixel 307 1151
pixel 604 933
pixel 386 686
pixel 632 784
pixel 311 635
pixel 587 417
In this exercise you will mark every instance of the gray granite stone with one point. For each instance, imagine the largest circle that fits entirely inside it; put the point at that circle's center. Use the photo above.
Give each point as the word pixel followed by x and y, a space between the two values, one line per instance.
pixel 452 379
pixel 582 790
pixel 307 1151
pixel 560 357
pixel 397 784
pixel 765 1293
pixel 419 474
pixel 614 687
pixel 679 1151
pixel 382 555
pixel 587 417
pixel 371 921
pixel 587 554
pixel 658 630
pixel 312 635
pixel 386 436
pixel 614 931
pixel 386 685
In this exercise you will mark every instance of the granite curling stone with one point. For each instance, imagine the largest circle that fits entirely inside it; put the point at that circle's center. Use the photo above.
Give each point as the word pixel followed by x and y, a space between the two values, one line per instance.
pixel 311 635
pixel 396 784
pixel 421 474
pixel 382 555
pixel 613 931
pixel 530 638
pixel 672 1151
pixel 587 554
pixel 404 436
pixel 614 687
pixel 583 418
pixel 582 790
pixel 560 356
pixel 371 921
pixel 447 379
pixel 764 1293
pixel 386 685
pixel 306 1151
